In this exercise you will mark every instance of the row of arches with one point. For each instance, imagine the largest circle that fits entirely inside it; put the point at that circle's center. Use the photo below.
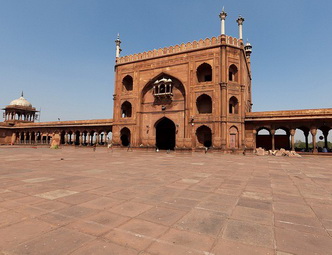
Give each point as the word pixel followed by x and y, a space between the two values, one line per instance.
pixel 300 138
pixel 203 104
pixel 203 74
pixel 166 130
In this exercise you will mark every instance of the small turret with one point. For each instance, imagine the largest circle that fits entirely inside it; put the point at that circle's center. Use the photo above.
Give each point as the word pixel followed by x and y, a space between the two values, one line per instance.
pixel 248 49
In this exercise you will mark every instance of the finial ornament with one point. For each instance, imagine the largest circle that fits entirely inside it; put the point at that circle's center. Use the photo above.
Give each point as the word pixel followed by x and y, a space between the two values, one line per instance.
pixel 118 44
pixel 22 94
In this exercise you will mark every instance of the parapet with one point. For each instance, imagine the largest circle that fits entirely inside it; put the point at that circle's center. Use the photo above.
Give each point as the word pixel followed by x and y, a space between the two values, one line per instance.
pixel 179 48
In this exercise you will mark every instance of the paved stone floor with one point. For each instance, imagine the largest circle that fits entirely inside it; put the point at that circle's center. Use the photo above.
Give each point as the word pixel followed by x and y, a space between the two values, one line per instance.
pixel 76 201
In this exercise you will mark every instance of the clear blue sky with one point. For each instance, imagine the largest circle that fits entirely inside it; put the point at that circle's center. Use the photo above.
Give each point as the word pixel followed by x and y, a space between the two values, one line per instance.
pixel 61 52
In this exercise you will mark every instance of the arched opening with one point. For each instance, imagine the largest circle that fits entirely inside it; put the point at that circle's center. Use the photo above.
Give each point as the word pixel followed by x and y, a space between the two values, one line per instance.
pixel 62 137
pixel 264 139
pixel 233 105
pixel 33 137
pixel 77 137
pixel 302 139
pixel 127 83
pixel 204 73
pixel 233 138
pixel 126 110
pixel 323 139
pixel 281 139
pixel 233 73
pixel 125 136
pixel 39 137
pixel 204 104
pixel 204 136
pixel 27 140
pixel 165 134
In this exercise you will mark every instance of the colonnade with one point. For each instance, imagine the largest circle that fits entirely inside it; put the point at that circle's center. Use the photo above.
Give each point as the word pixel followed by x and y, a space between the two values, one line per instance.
pixel 86 138
pixel 292 132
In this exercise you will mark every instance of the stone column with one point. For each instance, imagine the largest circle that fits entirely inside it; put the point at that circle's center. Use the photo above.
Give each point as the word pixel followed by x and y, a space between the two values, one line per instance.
pixel 254 133
pixel 25 138
pixel 313 132
pixel 222 17
pixel 240 21
pixel 19 137
pixel 88 137
pixel 292 133
pixel 80 140
pixel 36 138
pixel 73 135
pixel 223 115
pixel 30 138
pixel 272 137
pixel 66 137
pixel 97 139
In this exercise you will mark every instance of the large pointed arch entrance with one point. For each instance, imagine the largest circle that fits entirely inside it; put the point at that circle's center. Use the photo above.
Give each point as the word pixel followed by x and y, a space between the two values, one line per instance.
pixel 165 134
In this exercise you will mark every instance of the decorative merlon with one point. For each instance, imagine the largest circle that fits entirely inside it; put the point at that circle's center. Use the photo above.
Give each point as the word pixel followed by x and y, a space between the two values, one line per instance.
pixel 190 46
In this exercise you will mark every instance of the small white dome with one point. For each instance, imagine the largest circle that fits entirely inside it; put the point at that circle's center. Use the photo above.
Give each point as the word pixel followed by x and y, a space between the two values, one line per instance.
pixel 21 102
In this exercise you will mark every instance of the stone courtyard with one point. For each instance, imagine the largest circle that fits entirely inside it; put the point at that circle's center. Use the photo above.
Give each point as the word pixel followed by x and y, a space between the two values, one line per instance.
pixel 77 201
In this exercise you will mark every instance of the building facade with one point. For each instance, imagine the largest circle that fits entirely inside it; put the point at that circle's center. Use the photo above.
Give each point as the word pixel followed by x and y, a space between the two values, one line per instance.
pixel 187 96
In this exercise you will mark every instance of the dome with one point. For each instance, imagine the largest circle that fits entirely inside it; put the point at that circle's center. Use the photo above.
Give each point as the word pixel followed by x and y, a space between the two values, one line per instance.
pixel 21 102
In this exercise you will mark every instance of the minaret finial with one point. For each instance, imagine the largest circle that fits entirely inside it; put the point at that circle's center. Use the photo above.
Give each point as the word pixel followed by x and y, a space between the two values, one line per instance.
pixel 222 17
pixel 22 94
pixel 240 21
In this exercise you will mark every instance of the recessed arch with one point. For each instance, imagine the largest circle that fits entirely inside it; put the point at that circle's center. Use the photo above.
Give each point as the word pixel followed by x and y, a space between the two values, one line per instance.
pixel 233 105
pixel 204 73
pixel 127 83
pixel 204 104
pixel 165 134
pixel 233 73
pixel 126 109
pixel 177 83
pixel 204 136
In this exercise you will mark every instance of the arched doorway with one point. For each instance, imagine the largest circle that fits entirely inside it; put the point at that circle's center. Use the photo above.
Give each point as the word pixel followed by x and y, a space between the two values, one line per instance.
pixel 204 136
pixel 165 134
pixel 125 136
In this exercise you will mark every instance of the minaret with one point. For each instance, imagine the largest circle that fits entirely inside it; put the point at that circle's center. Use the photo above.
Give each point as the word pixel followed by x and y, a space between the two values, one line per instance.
pixel 240 21
pixel 248 51
pixel 118 49
pixel 222 17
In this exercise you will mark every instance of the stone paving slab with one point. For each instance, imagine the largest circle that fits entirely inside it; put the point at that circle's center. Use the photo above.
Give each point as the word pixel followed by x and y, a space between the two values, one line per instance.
pixel 76 201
